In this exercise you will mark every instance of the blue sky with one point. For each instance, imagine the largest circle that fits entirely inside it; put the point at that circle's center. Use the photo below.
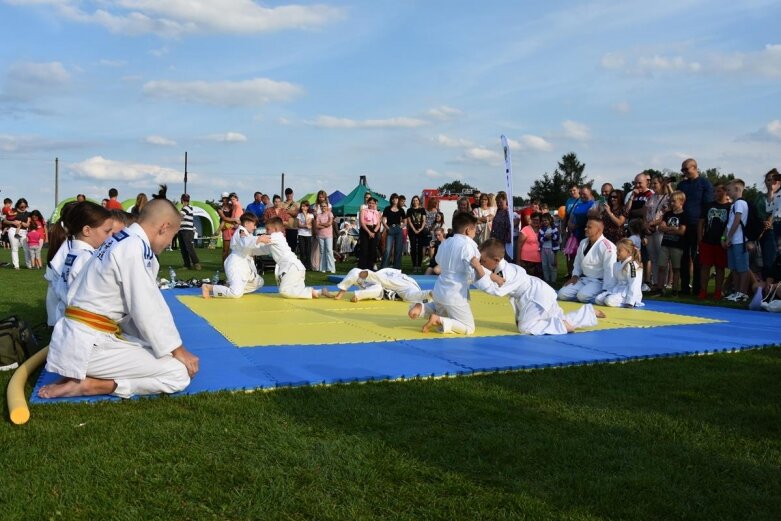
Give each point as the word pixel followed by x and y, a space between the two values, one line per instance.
pixel 411 94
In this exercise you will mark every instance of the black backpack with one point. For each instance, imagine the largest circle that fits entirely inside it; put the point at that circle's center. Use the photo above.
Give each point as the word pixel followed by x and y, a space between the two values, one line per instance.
pixel 754 226
pixel 17 341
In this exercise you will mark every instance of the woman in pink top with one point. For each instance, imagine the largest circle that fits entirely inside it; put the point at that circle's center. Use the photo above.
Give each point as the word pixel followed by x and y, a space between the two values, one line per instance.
pixel 369 235
pixel 324 228
pixel 529 247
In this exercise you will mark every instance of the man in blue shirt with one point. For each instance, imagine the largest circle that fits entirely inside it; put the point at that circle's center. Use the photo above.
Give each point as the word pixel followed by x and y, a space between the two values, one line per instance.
pixel 257 207
pixel 699 192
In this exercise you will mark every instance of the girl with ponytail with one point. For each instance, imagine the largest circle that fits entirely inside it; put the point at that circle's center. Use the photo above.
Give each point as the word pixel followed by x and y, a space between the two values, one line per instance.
pixel 628 274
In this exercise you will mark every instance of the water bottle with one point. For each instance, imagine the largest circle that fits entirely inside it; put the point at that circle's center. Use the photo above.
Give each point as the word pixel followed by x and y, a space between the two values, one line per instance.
pixel 171 277
pixel 216 277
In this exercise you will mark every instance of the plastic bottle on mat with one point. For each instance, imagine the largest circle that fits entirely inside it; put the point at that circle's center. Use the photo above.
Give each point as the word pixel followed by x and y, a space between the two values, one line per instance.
pixel 171 277
pixel 216 277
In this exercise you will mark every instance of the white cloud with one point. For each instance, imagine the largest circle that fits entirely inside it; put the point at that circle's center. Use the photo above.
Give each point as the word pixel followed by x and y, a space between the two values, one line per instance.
pixel 160 141
pixel 622 106
pixel 483 155
pixel 774 128
pixel 770 132
pixel 21 144
pixel 530 142
pixel 432 174
pixel 283 121
pixel 575 130
pixel 444 113
pixel 258 91
pixel 764 63
pixel 103 169
pixel 450 142
pixel 28 80
pixel 228 137
pixel 111 63
pixel 160 51
pixel 174 18
pixel 400 122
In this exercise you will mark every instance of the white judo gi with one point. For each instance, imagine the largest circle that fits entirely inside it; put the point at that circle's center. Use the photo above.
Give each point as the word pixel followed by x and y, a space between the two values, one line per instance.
pixel 627 289
pixel 534 302
pixel 79 253
pixel 594 271
pixel 55 307
pixel 240 269
pixel 290 273
pixel 451 290
pixel 376 283
pixel 119 284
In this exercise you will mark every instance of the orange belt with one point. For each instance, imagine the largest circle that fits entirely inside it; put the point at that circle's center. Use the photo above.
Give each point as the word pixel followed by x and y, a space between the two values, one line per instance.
pixel 93 320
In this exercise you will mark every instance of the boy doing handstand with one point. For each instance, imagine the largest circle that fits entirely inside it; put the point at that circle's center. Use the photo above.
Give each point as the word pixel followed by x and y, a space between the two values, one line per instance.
pixel 385 283
pixel 533 301
pixel 450 308
pixel 290 273
pixel 240 266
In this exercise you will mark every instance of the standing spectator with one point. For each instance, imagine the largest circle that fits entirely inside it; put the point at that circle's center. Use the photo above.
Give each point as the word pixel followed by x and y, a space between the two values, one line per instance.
pixel 113 204
pixel 655 208
pixel 324 226
pixel 228 223
pixel 276 210
pixel 317 208
pixel 37 219
pixel 611 210
pixel 257 207
pixel 80 198
pixel 548 238
pixel 529 247
pixel 604 193
pixel 767 204
pixel 476 200
pixel 17 232
pixel 698 191
pixel 393 219
pixel 417 233
pixel 187 234
pixel 674 228
pixel 34 245
pixel 104 203
pixel 485 216
pixel 304 221
pixel 463 205
pixel 526 213
pixel 710 231
pixel 734 240
pixel 635 203
pixel 580 212
pixel 141 201
pixel 369 221
pixel 291 229
pixel 502 227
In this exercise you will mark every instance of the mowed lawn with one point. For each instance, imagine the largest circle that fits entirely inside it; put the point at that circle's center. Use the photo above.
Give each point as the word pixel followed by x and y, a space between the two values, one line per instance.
pixel 679 438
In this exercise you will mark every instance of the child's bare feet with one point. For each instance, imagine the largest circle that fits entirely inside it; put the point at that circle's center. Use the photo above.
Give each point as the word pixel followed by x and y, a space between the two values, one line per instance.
pixel 339 295
pixel 353 299
pixel 315 293
pixel 599 313
pixel 206 291
pixel 432 321
pixel 325 293
pixel 415 310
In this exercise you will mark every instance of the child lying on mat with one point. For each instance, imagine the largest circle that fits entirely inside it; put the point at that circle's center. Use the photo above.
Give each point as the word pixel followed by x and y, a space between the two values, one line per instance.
pixel 290 273
pixel 627 290
pixel 450 309
pixel 388 283
pixel 533 301
pixel 240 266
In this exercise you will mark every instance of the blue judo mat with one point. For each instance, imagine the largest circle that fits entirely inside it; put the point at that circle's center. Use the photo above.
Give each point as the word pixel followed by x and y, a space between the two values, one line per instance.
pixel 224 367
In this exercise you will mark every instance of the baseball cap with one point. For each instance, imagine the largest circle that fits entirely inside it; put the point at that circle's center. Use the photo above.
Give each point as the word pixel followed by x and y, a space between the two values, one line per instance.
pixel 225 195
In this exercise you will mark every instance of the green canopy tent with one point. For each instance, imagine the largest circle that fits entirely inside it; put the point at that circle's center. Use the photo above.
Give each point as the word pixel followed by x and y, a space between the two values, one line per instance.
pixel 352 202
pixel 311 197
pixel 56 214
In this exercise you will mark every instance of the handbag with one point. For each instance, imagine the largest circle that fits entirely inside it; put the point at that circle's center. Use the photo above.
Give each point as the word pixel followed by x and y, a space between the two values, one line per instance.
pixel 571 248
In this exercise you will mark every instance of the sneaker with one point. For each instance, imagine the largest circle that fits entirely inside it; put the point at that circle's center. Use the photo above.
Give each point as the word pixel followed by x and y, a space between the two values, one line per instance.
pixel 729 296
pixel 645 287
pixel 741 297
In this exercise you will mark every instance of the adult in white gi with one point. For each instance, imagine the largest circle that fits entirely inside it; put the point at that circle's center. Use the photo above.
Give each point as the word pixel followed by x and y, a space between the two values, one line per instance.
pixel 240 266
pixel 627 290
pixel 450 308
pixel 533 301
pixel 289 271
pixel 384 283
pixel 592 271
pixel 118 335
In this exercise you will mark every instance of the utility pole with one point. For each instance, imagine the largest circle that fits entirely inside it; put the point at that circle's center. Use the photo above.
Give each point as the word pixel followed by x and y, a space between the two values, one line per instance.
pixel 282 188
pixel 56 181
pixel 185 172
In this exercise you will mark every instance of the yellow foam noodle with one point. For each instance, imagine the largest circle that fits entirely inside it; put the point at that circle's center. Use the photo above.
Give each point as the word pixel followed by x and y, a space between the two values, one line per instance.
pixel 268 319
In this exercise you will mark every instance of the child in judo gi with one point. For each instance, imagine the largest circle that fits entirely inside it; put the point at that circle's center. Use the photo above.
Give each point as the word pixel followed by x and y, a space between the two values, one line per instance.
pixel 83 229
pixel 450 309
pixel 240 269
pixel 289 271
pixel 385 283
pixel 533 301
pixel 627 276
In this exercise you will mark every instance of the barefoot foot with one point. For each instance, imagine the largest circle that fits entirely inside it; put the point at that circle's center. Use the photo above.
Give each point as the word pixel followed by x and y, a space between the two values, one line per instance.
pixel 63 387
pixel 353 299
pixel 432 321
pixel 599 313
pixel 415 310
pixel 206 291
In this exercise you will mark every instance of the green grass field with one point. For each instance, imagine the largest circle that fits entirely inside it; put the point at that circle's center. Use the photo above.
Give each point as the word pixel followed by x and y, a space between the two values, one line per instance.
pixel 682 438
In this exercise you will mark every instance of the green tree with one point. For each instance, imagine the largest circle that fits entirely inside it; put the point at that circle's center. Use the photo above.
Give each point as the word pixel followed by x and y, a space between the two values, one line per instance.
pixel 456 187
pixel 553 189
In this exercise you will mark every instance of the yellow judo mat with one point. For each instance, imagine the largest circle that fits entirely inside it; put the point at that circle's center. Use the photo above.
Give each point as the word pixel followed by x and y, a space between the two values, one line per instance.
pixel 268 319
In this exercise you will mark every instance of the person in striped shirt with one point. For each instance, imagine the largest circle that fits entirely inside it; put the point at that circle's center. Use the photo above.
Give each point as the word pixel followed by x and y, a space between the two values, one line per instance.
pixel 187 234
